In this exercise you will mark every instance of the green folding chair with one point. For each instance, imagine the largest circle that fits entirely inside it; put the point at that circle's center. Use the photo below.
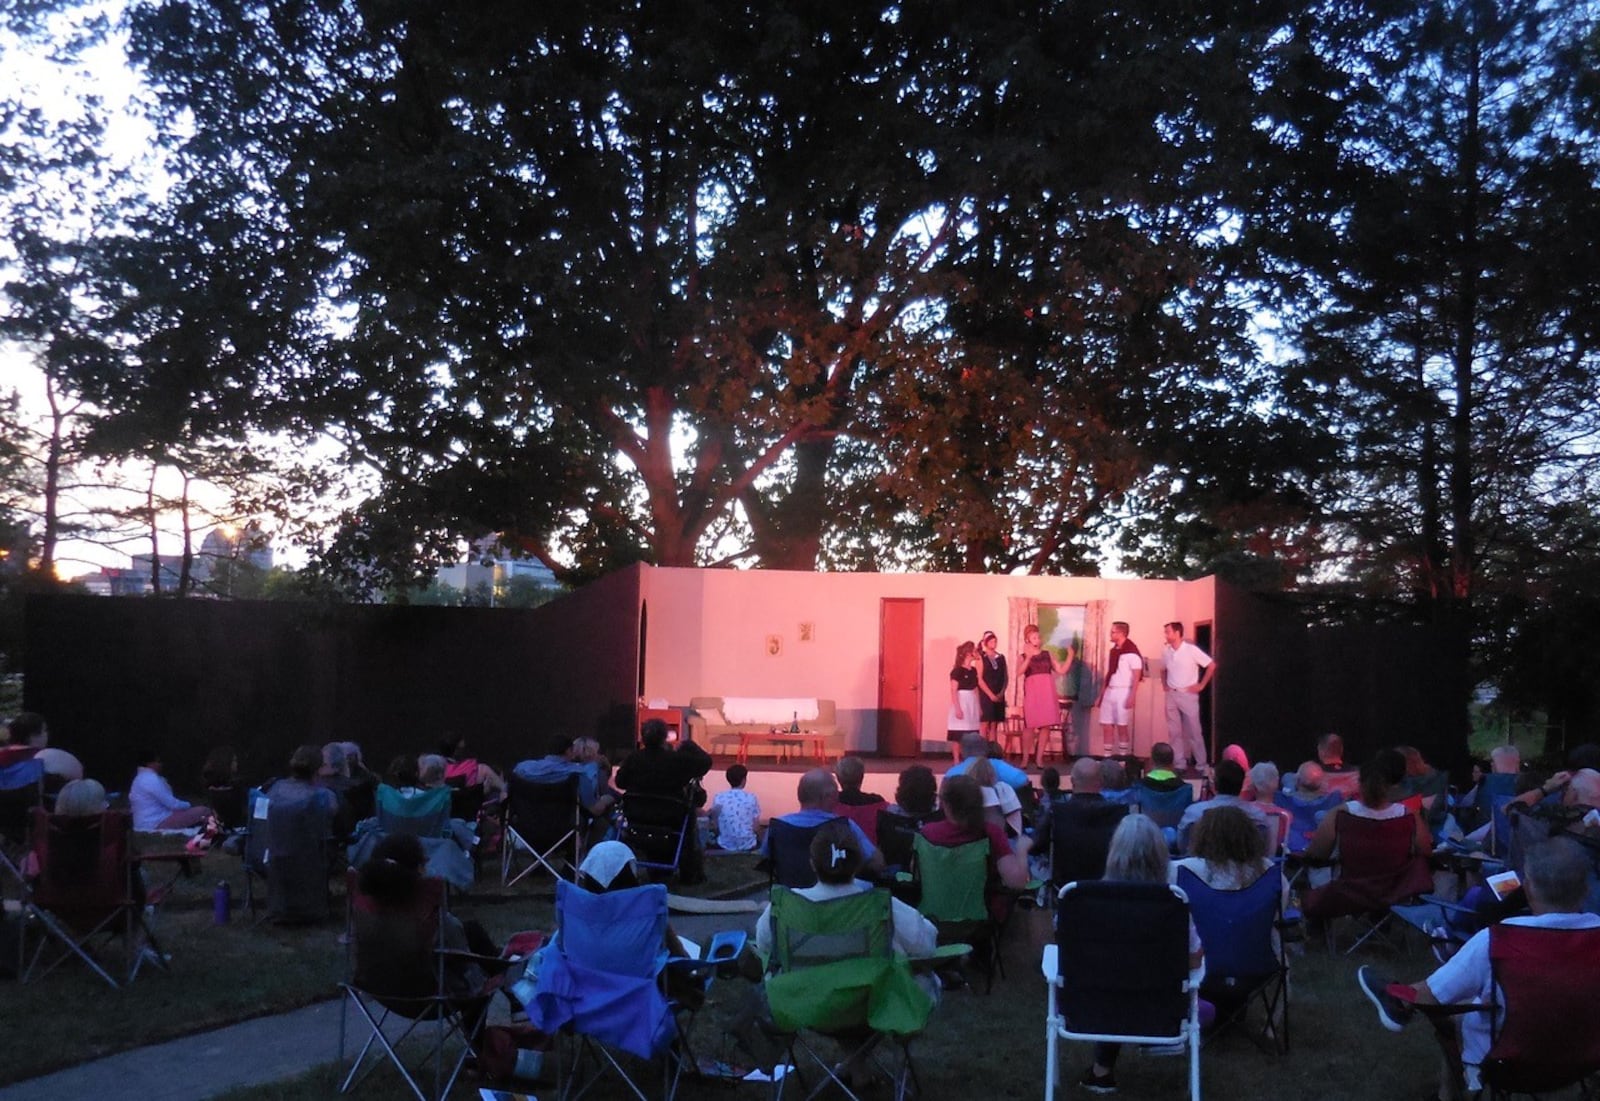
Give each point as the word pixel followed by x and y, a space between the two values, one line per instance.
pixel 955 882
pixel 836 975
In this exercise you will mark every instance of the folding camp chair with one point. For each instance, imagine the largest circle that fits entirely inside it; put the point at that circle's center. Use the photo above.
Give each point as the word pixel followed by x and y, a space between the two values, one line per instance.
pixel 299 839
pixel 788 859
pixel 1377 870
pixel 1119 972
pixel 864 815
pixel 257 852
pixel 21 792
pixel 657 829
pixel 897 833
pixel 954 883
pixel 1164 808
pixel 1080 836
pixel 86 890
pixel 1244 960
pixel 400 975
pixel 1304 814
pixel 603 986
pixel 425 814
pixel 544 823
pixel 835 974
pixel 1549 1037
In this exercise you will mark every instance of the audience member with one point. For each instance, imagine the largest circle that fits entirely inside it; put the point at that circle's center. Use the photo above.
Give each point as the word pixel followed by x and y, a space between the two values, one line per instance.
pixel 735 812
pixel 1230 783
pixel 964 821
pixel 657 768
pixel 1000 802
pixel 1337 775
pixel 973 746
pixel 430 771
pixel 154 805
pixel 851 773
pixel 1114 785
pixel 1373 800
pixel 573 757
pixel 818 794
pixel 30 739
pixel 1555 876
pixel 1263 785
pixel 468 771
pixel 1079 829
pixel 1138 854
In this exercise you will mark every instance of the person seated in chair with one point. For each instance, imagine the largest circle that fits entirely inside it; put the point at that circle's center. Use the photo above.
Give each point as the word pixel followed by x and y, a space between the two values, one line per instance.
pixel 1555 877
pixel 29 739
pixel 656 768
pixel 974 746
pixel 965 821
pixel 1230 786
pixel 1372 801
pixel 819 800
pixel 851 774
pixel 837 858
pixel 154 805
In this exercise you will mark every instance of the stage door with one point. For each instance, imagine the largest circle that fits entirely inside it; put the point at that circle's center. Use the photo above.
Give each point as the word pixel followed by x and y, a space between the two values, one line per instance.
pixel 900 678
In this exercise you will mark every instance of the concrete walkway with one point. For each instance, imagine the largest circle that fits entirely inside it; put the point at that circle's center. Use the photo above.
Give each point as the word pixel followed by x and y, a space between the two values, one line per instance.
pixel 251 1053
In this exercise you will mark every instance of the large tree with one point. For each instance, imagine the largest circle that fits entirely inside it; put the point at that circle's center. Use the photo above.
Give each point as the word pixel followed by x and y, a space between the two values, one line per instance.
pixel 686 280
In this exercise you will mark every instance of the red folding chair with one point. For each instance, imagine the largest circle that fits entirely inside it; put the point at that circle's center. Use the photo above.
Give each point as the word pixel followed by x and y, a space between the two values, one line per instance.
pixel 1549 1035
pixel 86 890
pixel 1377 870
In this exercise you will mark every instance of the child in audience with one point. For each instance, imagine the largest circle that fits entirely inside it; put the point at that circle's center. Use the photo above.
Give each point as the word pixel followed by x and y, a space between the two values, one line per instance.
pixel 734 813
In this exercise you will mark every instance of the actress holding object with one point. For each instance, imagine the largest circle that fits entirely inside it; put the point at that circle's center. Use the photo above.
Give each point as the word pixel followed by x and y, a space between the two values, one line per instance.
pixel 1041 704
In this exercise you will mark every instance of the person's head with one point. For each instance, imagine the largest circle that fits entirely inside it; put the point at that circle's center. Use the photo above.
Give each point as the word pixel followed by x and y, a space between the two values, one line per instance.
pixel 608 866
pixel 1161 757
pixel 81 799
pixel 1373 784
pixel 430 770
pixel 1050 779
pixel 586 750
pixel 28 728
pixel 221 767
pixel 1556 876
pixel 1330 751
pixel 1138 851
pixel 1505 758
pixel 560 746
pixel 1031 635
pixel 452 747
pixel 1226 835
pixel 653 734
pixel 835 852
pixel 964 653
pixel 1583 790
pixel 961 797
pixel 1234 752
pixel 850 772
pixel 304 762
pixel 737 775
pixel 393 871
pixel 1085 776
pixel 1478 771
pixel 989 643
pixel 402 772
pixel 1416 764
pixel 1393 763
pixel 1173 632
pixel 1229 778
pixel 1309 779
pixel 1265 779
pixel 1586 755
pixel 973 744
pixel 1113 775
pixel 150 759
pixel 334 760
pixel 352 757
pixel 982 770
pixel 917 792
pixel 817 790
pixel 1119 632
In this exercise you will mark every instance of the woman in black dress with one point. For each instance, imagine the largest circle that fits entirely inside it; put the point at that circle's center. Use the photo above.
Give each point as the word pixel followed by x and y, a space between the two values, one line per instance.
pixel 993 679
pixel 964 695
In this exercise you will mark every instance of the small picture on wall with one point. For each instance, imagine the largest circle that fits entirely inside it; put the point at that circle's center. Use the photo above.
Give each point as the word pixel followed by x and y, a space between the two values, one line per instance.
pixel 774 645
pixel 808 632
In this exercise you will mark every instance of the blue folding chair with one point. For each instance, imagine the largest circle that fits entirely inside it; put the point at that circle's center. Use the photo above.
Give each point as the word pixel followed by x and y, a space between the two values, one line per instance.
pixel 1244 960
pixel 1304 815
pixel 788 859
pixel 1164 808
pixel 602 985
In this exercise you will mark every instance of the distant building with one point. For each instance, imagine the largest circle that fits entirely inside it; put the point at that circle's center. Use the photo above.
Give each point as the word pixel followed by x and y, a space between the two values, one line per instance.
pixel 207 570
pixel 488 565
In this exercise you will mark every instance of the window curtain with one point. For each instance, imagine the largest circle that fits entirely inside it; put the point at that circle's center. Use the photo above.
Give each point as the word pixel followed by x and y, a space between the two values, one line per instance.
pixel 1022 611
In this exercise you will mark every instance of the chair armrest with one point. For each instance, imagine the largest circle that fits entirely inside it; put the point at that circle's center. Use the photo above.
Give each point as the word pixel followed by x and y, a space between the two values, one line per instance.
pixel 941 956
pixel 1050 963
pixel 492 965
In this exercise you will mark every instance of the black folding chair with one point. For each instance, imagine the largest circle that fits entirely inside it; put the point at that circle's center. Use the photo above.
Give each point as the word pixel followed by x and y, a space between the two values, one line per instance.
pixel 657 829
pixel 543 823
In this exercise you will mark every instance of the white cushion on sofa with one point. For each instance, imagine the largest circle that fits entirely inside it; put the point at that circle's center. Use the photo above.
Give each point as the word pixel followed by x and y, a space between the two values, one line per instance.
pixel 769 710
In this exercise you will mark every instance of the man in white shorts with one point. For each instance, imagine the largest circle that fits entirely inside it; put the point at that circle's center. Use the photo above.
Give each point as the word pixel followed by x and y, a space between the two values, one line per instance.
pixel 1123 670
pixel 1188 670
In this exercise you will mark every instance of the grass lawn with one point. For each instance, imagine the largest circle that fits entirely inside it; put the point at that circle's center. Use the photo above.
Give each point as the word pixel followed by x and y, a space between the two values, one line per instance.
pixel 221 974
pixel 977 1046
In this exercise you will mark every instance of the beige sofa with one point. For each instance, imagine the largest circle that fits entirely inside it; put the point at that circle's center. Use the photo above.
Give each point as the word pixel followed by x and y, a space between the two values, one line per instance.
pixel 718 723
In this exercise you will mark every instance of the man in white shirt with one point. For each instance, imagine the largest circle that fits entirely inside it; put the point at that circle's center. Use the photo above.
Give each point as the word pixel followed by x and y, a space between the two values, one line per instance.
pixel 1555 876
pixel 1188 670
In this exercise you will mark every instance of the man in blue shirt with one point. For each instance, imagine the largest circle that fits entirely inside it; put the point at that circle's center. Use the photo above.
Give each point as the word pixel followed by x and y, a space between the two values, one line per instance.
pixel 818 792
pixel 974 746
